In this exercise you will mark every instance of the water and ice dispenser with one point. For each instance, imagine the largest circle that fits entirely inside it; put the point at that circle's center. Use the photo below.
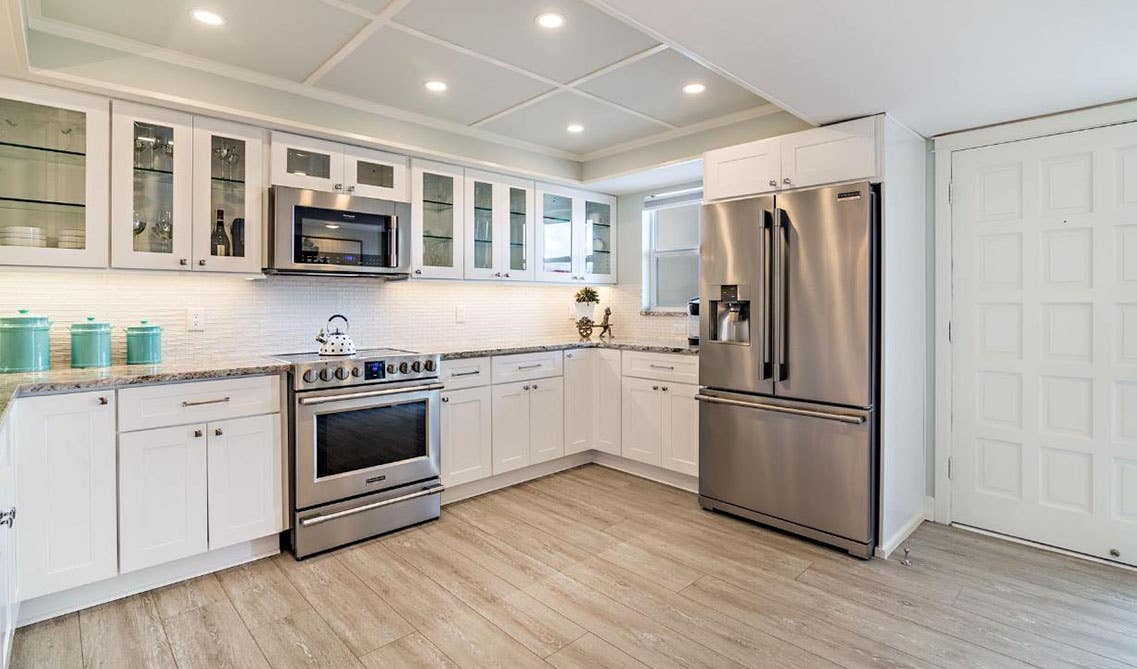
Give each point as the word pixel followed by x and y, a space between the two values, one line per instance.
pixel 730 315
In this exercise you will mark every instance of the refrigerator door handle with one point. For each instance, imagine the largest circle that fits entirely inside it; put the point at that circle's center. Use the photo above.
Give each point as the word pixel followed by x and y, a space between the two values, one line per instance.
pixel 826 415
pixel 782 298
pixel 767 250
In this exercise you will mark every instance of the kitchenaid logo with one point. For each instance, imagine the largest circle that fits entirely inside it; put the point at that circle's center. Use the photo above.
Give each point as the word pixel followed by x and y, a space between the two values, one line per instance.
pixel 376 479
pixel 849 195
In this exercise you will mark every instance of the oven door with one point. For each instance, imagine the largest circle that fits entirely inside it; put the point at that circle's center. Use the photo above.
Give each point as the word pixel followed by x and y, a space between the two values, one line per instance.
pixel 357 441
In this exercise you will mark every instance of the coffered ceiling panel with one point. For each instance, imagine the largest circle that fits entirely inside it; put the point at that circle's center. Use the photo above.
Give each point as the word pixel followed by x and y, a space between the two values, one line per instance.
pixel 654 86
pixel 373 6
pixel 546 122
pixel 285 38
pixel 391 67
pixel 507 30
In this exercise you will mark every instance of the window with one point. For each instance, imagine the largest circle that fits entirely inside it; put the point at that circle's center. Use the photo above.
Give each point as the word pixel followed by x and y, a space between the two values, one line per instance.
pixel 671 250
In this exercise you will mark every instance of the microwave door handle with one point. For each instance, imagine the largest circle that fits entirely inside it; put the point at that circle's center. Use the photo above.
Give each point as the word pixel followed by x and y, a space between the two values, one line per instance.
pixel 767 249
pixel 393 242
pixel 783 294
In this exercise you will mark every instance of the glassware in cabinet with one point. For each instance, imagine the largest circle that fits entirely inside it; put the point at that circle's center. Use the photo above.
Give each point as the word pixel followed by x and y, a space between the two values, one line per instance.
pixel 436 204
pixel 228 187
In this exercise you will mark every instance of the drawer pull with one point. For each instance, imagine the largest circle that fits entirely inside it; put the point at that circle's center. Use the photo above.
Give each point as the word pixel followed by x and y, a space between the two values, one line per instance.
pixel 204 402
pixel 198 434
pixel 217 432
pixel 524 367
pixel 670 368
pixel 470 373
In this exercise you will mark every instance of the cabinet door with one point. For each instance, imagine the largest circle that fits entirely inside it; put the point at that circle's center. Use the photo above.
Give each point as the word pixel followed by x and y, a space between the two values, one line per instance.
pixel 54 170
pixel 838 152
pixel 510 426
pixel 245 479
pixel 746 169
pixel 152 187
pixel 597 254
pixel 228 180
pixel 557 208
pixel 65 455
pixel 303 162
pixel 607 393
pixel 642 407
pixel 161 495
pixel 467 444
pixel 9 595
pixel 483 211
pixel 515 249
pixel 580 399
pixel 436 220
pixel 680 445
pixel 377 174
pixel 546 420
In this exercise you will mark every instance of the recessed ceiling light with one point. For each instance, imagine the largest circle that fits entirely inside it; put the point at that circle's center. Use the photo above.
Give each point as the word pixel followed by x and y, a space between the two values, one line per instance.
pixel 694 89
pixel 550 20
pixel 436 86
pixel 575 128
pixel 207 17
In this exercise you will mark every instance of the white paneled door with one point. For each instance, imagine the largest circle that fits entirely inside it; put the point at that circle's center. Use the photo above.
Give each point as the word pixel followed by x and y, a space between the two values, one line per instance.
pixel 1044 331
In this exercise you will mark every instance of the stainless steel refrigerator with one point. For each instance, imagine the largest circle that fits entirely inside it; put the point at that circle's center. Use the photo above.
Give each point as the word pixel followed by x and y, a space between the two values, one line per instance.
pixel 788 362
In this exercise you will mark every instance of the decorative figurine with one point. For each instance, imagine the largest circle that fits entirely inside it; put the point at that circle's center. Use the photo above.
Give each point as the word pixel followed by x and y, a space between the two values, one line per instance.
pixel 605 325
pixel 584 327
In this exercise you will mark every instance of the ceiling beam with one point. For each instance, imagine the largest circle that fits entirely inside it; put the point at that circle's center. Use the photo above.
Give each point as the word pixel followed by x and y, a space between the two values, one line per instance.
pixel 378 21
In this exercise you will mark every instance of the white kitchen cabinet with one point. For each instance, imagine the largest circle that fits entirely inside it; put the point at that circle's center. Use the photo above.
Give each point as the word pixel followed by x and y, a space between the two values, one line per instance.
pixel 679 448
pixel 527 366
pixel 9 593
pixel 499 227
pixel 576 239
pixel 466 435
pixel 377 174
pixel 546 420
pixel 608 398
pixel 66 500
pixel 465 373
pixel 151 187
pixel 162 489
pixel 304 162
pixel 244 476
pixel 642 404
pixel 745 169
pixel 54 167
pixel 661 418
pixel 511 426
pixel 580 377
pixel 437 238
pixel 228 178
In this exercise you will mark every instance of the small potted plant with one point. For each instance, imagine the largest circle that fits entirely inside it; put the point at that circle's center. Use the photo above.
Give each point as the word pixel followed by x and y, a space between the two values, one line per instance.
pixel 586 301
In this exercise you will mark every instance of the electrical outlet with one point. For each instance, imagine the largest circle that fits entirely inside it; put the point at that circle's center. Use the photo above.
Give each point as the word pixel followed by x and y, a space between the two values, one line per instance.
pixel 460 313
pixel 195 319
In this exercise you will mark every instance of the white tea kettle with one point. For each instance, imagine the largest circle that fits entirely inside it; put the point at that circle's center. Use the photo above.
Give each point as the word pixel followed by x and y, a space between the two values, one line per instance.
pixel 335 342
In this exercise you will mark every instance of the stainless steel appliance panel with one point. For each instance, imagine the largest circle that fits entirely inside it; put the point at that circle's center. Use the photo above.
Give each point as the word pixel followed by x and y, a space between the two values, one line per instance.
pixel 824 286
pixel 333 525
pixel 812 466
pixel 734 253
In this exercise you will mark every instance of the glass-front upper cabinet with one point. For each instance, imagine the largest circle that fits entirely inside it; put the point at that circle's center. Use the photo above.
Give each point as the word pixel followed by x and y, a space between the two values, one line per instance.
pixel 303 162
pixel 555 234
pixel 152 196
pixel 437 240
pixel 599 239
pixel 375 174
pixel 499 227
pixel 228 180
pixel 53 176
pixel 576 237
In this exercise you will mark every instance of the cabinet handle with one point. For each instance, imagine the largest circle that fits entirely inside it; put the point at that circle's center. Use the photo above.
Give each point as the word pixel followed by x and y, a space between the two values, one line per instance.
pixel 670 368
pixel 103 401
pixel 198 434
pixel 522 367
pixel 497 274
pixel 217 432
pixel 183 261
pixel 351 188
pixel 197 404
pixel 445 400
pixel 339 186
pixel 507 275
pixel 525 387
pixel 201 262
pixel 568 355
pixel 470 373
pixel 418 271
pixel 655 387
pixel 534 386
pixel 786 181
pixel 774 182
pixel 664 389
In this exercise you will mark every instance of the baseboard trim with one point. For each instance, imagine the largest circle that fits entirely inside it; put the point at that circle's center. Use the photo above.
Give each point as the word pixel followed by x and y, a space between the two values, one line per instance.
pixel 890 544
pixel 124 585
pixel 646 471
pixel 482 486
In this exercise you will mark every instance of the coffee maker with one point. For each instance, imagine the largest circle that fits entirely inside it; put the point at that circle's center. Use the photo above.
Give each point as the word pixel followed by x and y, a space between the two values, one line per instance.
pixel 693 322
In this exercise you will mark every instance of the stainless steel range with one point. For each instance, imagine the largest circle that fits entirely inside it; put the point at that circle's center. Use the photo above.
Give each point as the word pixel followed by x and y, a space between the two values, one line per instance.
pixel 363 444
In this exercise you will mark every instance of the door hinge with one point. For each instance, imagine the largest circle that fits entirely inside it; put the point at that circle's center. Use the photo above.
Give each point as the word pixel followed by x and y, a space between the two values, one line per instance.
pixel 949 468
pixel 949 191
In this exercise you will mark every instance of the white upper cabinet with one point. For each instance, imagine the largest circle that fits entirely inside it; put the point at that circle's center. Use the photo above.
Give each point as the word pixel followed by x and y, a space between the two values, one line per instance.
pixel 228 183
pixel 830 154
pixel 436 220
pixel 54 156
pixel 304 162
pixel 576 238
pixel 499 227
pixel 152 196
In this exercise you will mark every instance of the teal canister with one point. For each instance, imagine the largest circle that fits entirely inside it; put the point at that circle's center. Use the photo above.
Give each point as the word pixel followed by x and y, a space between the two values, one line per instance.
pixel 90 344
pixel 24 343
pixel 143 344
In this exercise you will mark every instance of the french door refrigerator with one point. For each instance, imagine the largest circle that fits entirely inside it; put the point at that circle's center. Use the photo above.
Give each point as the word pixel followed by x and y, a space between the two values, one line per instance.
pixel 788 362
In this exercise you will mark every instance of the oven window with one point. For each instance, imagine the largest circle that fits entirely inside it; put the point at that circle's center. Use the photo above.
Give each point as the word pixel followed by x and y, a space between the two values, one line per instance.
pixel 333 237
pixel 363 438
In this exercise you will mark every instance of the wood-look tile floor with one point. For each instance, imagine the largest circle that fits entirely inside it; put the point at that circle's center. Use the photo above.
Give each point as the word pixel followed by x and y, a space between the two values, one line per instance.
pixel 595 568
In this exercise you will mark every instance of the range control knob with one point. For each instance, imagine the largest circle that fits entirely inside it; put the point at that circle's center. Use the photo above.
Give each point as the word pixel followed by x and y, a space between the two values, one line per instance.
pixel 416 366
pixel 391 368
pixel 429 365
pixel 325 374
pixel 341 373
pixel 309 376
pixel 355 371
pixel 402 368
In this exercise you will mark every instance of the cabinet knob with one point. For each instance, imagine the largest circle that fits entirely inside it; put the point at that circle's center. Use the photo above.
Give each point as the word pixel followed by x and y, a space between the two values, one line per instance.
pixel 507 275
pixel 201 262
pixel 497 273
pixel 786 181
pixel 445 400
pixel 103 401
pixel 339 186
pixel 418 271
pixel 773 182
pixel 351 188
pixel 525 387
pixel 655 387
pixel 217 432
pixel 568 355
pixel 534 386
pixel 183 261
pixel 664 389
pixel 198 433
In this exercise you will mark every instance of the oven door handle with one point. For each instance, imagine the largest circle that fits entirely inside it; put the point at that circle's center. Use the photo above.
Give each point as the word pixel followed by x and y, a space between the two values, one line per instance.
pixel 307 401
pixel 316 520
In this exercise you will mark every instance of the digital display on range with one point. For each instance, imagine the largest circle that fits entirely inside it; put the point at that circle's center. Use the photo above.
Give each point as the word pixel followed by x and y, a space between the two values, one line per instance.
pixel 372 369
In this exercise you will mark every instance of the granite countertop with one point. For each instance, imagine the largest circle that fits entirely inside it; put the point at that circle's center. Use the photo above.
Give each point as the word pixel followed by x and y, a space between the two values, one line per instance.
pixel 482 350
pixel 65 379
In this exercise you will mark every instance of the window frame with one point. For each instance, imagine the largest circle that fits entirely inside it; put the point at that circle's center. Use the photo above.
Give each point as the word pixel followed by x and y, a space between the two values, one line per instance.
pixel 649 302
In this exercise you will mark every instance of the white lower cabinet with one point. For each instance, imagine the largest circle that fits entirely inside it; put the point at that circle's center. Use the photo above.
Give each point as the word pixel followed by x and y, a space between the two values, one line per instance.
pixel 546 420
pixel 9 594
pixel 642 404
pixel 466 435
pixel 679 450
pixel 245 479
pixel 528 423
pixel 661 424
pixel 608 401
pixel 162 495
pixel 592 400
pixel 65 459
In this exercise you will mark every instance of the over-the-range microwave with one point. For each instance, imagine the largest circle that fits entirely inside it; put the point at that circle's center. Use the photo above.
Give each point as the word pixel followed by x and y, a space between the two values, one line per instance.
pixel 314 232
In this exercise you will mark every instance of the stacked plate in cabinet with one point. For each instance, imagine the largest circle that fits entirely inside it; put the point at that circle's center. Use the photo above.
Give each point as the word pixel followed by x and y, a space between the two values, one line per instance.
pixel 22 235
pixel 72 238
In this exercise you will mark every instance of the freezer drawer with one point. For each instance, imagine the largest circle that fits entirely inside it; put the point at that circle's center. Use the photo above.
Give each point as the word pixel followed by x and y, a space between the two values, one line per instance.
pixel 803 467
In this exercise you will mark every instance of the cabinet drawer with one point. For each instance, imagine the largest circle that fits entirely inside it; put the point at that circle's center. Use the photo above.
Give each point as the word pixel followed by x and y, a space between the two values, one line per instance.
pixel 661 366
pixel 467 373
pixel 525 366
pixel 195 402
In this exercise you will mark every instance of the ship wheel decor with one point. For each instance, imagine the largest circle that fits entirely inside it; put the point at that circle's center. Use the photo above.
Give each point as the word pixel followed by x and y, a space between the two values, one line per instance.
pixel 584 327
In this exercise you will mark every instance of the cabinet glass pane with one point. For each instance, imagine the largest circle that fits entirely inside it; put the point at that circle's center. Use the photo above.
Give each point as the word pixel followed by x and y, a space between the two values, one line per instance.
pixel 227 197
pixel 374 174
pixel 556 233
pixel 518 254
pixel 42 176
pixel 483 225
pixel 437 220
pixel 598 237
pixel 153 188
pixel 308 164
